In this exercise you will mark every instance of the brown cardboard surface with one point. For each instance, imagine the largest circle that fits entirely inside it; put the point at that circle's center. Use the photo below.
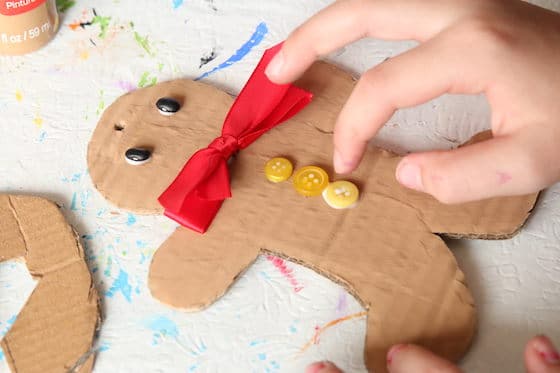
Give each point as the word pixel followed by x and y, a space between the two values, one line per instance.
pixel 384 250
pixel 57 324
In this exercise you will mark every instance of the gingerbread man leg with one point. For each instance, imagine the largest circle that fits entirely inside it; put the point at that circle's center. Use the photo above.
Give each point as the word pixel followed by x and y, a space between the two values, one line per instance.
pixel 404 275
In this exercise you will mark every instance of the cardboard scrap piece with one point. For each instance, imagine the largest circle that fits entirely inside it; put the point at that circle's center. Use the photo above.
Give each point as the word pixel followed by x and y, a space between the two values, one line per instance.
pixel 384 251
pixel 56 326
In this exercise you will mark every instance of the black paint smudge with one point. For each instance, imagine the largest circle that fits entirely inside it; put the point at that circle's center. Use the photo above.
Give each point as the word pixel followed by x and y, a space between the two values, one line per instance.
pixel 208 58
pixel 212 6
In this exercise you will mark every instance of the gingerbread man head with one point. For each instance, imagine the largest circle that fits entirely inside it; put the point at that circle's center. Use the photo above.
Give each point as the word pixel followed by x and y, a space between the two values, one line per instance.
pixel 386 250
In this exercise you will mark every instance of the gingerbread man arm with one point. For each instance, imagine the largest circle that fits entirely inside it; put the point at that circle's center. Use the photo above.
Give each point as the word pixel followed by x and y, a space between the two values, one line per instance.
pixel 491 219
pixel 190 271
pixel 62 312
pixel 495 218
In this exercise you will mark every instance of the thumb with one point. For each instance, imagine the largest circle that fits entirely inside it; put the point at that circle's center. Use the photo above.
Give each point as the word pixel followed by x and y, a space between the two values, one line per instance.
pixel 541 356
pixel 415 359
pixel 501 166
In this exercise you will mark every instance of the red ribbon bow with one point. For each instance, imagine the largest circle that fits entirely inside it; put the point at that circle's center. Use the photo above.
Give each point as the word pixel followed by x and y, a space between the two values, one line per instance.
pixel 196 194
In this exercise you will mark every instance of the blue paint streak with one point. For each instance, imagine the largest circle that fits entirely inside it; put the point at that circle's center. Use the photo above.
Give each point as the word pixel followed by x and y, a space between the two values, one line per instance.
pixel 1 355
pixel 131 219
pixel 122 285
pixel 262 356
pixel 103 347
pixel 164 326
pixel 73 204
pixel 177 3
pixel 255 40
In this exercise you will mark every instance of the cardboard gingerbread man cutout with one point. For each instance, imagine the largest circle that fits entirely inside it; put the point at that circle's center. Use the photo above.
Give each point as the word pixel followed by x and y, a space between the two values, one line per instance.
pixel 55 329
pixel 386 251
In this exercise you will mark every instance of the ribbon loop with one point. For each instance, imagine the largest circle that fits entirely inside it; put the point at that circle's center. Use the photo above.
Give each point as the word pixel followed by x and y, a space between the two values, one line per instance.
pixel 196 194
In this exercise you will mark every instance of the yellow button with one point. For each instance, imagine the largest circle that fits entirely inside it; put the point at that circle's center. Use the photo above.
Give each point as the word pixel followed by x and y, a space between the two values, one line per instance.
pixel 310 181
pixel 278 169
pixel 341 194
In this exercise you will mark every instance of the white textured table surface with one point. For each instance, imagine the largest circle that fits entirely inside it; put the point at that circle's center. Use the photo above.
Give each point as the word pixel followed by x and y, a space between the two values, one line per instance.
pixel 49 104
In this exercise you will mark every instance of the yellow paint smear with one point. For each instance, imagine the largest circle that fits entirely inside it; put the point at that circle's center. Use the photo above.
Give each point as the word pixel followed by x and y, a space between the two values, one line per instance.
pixel 38 121
pixel 19 96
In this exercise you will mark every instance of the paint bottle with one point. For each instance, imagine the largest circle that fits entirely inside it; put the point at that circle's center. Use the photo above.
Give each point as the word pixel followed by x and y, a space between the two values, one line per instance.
pixel 26 25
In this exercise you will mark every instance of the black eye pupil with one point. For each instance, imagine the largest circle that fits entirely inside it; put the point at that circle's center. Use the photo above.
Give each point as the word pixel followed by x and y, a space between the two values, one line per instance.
pixel 137 155
pixel 168 105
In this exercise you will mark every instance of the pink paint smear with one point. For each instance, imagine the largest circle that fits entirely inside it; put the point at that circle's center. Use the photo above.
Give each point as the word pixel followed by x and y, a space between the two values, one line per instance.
pixel 281 266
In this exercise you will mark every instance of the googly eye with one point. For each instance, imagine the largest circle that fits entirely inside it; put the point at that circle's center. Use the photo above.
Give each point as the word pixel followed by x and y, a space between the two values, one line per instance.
pixel 168 106
pixel 137 156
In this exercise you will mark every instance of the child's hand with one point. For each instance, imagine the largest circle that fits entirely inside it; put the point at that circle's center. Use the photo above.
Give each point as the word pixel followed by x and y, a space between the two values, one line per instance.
pixel 509 50
pixel 540 357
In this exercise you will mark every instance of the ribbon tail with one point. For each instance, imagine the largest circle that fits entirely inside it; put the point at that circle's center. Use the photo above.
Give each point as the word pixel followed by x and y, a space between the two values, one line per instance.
pixel 196 194
pixel 198 215
pixel 216 187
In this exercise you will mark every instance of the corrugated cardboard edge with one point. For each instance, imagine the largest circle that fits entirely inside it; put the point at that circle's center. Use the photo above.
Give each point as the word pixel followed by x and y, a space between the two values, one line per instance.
pixel 55 330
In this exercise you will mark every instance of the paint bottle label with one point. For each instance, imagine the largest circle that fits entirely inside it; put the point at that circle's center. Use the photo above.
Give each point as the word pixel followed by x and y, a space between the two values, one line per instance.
pixel 26 25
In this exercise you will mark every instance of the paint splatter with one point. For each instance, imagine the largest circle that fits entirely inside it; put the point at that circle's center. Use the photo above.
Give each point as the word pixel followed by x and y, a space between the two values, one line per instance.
pixel 146 80
pixel 73 203
pixel 38 121
pixel 253 41
pixel 101 105
pixel 73 179
pixel 126 86
pixel 144 43
pixel 319 330
pixel 163 327
pixel 104 347
pixel 19 96
pixel 131 219
pixel 280 264
pixel 256 342
pixel 103 23
pixel 208 58
pixel 211 5
pixel 121 285
pixel 64 5
pixel 177 3
pixel 342 303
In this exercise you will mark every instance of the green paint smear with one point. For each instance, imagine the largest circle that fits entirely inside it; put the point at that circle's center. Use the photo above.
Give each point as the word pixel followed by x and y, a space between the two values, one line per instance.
pixel 64 5
pixel 103 23
pixel 101 105
pixel 144 43
pixel 146 80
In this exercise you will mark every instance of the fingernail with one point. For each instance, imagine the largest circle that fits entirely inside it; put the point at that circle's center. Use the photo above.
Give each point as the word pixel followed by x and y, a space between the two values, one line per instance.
pixel 546 350
pixel 393 351
pixel 274 68
pixel 409 175
pixel 315 368
pixel 340 165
